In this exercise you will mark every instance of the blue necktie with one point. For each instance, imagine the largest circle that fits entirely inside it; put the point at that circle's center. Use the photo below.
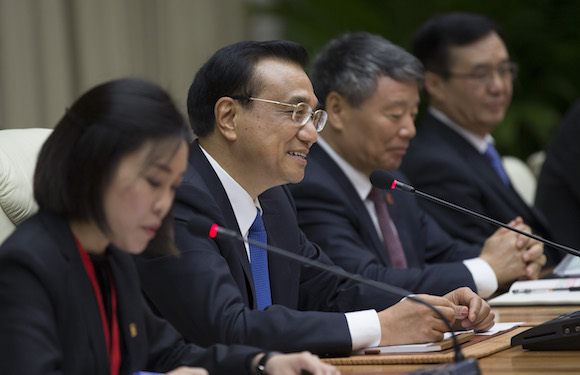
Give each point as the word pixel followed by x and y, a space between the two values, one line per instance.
pixel 259 262
pixel 495 160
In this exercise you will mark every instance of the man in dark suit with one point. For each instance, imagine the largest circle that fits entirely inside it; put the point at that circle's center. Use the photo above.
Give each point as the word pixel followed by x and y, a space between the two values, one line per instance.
pixel 250 106
pixel 558 194
pixel 468 77
pixel 370 89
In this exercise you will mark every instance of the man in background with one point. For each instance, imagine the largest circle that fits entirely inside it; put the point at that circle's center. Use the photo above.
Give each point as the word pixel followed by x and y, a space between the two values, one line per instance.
pixel 558 193
pixel 370 90
pixel 469 81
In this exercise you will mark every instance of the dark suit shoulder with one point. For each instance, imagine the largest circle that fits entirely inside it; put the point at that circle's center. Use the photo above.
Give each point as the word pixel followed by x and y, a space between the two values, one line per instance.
pixel 39 243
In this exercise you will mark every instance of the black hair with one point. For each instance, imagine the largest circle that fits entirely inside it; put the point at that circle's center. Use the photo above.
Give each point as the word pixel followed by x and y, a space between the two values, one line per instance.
pixel 230 72
pixel 433 40
pixel 80 157
pixel 352 64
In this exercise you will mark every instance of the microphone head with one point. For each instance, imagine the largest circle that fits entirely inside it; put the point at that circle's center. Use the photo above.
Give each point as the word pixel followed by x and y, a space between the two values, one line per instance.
pixel 202 226
pixel 382 179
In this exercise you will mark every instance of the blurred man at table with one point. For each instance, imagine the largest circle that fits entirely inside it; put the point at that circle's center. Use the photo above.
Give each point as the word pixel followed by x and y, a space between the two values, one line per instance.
pixel 469 81
pixel 370 89
pixel 558 194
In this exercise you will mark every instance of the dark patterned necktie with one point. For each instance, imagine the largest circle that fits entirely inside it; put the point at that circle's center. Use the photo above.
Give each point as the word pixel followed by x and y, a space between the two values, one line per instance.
pixel 390 236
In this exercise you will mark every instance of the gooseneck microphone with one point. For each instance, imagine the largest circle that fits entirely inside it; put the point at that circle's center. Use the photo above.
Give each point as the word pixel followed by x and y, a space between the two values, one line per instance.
pixel 203 226
pixel 383 180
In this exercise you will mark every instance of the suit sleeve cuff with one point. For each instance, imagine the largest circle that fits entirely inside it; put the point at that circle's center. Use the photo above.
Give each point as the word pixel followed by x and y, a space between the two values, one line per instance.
pixel 364 328
pixel 483 276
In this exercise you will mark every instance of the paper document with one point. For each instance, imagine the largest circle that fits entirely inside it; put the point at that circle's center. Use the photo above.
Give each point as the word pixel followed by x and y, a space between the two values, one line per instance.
pixel 563 291
pixel 499 327
pixel 446 343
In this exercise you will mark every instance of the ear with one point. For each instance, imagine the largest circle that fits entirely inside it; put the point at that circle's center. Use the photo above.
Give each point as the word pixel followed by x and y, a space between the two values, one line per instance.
pixel 434 85
pixel 225 112
pixel 338 110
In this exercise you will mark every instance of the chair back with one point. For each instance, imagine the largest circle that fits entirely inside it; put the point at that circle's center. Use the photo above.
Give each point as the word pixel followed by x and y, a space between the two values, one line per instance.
pixel 19 150
pixel 522 178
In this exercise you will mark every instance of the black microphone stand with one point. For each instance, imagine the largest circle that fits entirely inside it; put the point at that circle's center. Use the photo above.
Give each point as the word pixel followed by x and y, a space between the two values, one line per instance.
pixel 384 180
pixel 546 336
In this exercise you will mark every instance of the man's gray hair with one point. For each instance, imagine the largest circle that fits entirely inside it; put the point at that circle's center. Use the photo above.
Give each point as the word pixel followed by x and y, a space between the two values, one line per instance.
pixel 352 64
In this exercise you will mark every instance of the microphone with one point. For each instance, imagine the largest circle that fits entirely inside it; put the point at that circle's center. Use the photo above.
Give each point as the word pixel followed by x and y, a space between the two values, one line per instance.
pixel 203 226
pixel 383 180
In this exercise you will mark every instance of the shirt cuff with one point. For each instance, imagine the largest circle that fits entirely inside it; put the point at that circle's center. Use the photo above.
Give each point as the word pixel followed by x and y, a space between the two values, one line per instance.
pixel 364 328
pixel 483 276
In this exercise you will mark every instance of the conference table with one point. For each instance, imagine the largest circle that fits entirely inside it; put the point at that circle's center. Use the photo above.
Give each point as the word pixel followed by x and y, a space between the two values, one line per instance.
pixel 514 360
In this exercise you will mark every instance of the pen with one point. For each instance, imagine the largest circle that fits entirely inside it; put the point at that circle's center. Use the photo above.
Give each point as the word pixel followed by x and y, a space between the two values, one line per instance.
pixel 461 314
pixel 528 291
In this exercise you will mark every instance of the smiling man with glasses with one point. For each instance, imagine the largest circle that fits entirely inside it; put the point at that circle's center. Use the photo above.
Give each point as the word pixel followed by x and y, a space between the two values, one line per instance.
pixel 484 75
pixel 469 79
pixel 301 113
pixel 250 106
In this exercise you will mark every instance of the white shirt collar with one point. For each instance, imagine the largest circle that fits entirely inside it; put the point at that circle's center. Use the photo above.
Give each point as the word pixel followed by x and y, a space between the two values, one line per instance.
pixel 475 140
pixel 360 182
pixel 245 208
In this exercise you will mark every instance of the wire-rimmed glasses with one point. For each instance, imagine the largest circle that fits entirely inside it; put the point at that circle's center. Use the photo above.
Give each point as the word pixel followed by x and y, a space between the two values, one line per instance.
pixel 507 71
pixel 301 114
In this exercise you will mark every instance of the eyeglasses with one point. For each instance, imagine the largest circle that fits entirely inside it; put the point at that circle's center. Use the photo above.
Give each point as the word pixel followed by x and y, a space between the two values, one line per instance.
pixel 301 114
pixel 484 75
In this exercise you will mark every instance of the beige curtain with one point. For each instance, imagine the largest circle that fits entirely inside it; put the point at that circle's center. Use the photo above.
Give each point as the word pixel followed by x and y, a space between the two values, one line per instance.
pixel 53 50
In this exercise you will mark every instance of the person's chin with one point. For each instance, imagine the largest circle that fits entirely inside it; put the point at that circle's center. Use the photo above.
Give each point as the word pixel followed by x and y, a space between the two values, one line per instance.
pixel 395 165
pixel 137 250
pixel 136 247
pixel 492 123
pixel 494 117
pixel 295 177
pixel 392 164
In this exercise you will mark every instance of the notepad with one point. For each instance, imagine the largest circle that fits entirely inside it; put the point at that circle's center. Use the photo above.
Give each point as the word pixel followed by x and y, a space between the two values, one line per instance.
pixel 562 291
pixel 446 343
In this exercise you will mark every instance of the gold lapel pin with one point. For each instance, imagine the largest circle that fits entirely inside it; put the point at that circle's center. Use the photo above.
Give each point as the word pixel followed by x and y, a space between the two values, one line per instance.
pixel 133 330
pixel 389 198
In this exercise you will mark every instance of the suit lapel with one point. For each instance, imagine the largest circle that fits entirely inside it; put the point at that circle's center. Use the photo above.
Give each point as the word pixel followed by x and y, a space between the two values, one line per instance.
pixel 480 168
pixel 217 206
pixel 278 235
pixel 365 224
pixel 129 311
pixel 80 288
